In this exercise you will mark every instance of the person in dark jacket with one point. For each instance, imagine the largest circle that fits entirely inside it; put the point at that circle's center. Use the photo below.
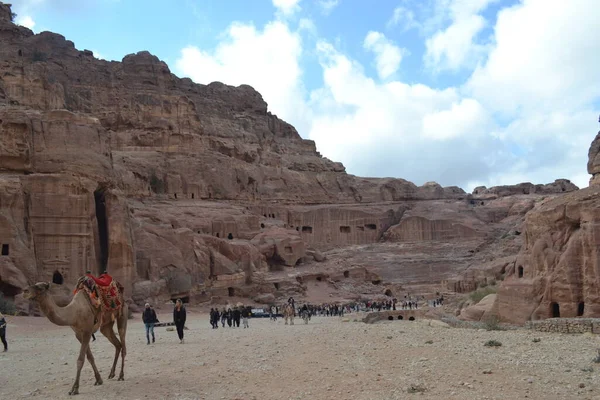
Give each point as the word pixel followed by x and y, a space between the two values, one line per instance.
pixel 236 317
pixel 229 316
pixel 214 318
pixel 223 317
pixel 245 315
pixel 149 318
pixel 3 332
pixel 179 316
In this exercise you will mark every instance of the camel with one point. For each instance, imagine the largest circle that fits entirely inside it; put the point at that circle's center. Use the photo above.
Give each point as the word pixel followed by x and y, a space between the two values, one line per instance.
pixel 85 319
pixel 288 312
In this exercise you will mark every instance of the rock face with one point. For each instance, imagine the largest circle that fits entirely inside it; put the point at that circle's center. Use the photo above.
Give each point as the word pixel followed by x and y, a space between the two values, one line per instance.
pixel 593 165
pixel 198 191
pixel 556 273
pixel 479 311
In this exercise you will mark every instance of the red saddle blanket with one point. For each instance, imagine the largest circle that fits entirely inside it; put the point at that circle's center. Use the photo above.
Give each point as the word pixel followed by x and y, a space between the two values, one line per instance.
pixel 103 291
pixel 102 280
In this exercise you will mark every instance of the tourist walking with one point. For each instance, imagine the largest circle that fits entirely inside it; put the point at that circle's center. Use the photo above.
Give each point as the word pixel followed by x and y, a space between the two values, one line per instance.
pixel 179 316
pixel 3 332
pixel 236 317
pixel 245 315
pixel 229 316
pixel 149 318
pixel 216 318
pixel 223 317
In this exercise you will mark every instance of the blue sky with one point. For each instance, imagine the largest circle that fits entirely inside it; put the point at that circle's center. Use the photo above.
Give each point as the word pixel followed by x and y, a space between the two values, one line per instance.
pixel 463 92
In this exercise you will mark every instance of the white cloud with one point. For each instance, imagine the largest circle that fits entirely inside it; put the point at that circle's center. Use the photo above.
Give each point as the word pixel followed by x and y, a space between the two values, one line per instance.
pixel 391 129
pixel 268 60
pixel 98 55
pixel 327 6
pixel 454 47
pixel 404 17
pixel 388 56
pixel 451 48
pixel 25 21
pixel 546 57
pixel 541 79
pixel 287 7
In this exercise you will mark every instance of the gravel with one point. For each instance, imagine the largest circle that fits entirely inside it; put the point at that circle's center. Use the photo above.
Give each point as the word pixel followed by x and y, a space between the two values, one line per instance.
pixel 326 359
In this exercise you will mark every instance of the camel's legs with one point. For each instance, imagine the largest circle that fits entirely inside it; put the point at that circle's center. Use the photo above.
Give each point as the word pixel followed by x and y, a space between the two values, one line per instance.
pixel 90 358
pixel 107 330
pixel 122 328
pixel 85 342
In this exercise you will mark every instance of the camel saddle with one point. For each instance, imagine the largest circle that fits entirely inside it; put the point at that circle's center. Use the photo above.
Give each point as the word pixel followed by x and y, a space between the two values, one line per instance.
pixel 103 291
pixel 102 280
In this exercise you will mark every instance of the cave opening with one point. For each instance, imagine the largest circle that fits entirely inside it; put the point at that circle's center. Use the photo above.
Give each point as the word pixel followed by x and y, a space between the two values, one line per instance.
pixel 580 309
pixel 102 221
pixel 371 227
pixel 319 279
pixel 555 308
pixel 307 229
pixel 345 229
pixel 411 318
pixel 390 318
pixel 276 284
pixel 376 282
pixel 520 271
pixel 230 236
pixel 9 290
pixel 346 274
pixel 184 299
pixel 276 263
pixel 57 278
pixel 400 317
pixel 5 250
pixel 388 293
pixel 231 291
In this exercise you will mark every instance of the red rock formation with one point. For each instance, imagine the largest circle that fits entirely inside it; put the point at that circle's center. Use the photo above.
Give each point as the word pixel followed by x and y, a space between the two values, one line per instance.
pixel 593 165
pixel 558 269
pixel 197 191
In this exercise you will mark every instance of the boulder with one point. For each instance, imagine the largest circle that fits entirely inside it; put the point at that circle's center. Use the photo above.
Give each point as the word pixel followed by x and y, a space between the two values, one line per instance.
pixel 265 298
pixel 280 246
pixel 479 311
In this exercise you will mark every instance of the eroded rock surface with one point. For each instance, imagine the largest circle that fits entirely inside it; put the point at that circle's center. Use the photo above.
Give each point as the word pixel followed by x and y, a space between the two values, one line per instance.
pixel 199 192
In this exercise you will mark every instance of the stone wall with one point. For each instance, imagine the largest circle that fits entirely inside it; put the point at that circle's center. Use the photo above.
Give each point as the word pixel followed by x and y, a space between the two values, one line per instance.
pixel 566 325
pixel 398 315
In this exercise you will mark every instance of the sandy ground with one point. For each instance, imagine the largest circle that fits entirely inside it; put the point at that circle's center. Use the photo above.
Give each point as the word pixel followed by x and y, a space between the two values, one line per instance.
pixel 327 359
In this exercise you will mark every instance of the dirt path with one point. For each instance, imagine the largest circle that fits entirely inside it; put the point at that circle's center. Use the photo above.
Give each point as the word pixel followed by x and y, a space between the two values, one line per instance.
pixel 327 359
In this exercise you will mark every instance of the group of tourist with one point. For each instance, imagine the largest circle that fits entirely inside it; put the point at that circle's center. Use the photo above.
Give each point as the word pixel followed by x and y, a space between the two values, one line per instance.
pixel 229 316
pixel 150 319
pixel 232 316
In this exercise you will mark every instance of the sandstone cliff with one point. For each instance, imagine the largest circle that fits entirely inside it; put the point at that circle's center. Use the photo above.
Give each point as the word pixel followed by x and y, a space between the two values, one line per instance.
pixel 557 271
pixel 197 191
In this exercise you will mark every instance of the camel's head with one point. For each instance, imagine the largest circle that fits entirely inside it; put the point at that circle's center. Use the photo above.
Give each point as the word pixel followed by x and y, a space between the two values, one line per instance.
pixel 34 291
